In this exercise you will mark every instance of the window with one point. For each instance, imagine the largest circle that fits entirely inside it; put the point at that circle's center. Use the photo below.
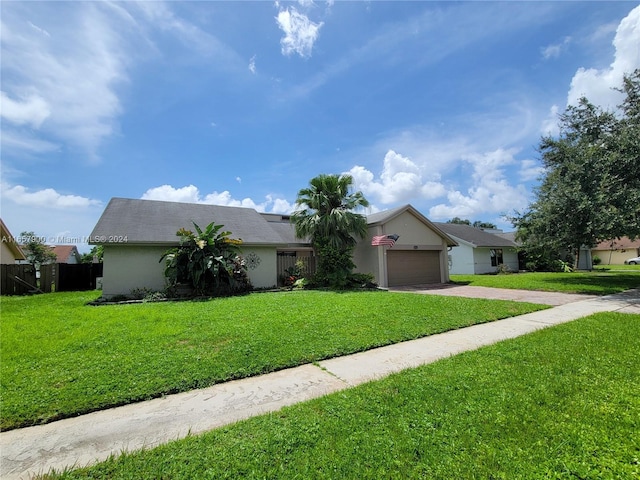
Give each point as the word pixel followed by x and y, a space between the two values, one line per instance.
pixel 496 257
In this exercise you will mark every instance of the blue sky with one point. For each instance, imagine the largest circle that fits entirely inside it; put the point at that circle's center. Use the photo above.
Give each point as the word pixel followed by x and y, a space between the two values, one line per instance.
pixel 437 104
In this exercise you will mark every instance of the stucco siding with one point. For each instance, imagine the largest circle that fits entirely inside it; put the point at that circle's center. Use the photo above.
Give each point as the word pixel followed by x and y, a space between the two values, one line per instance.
pixel 613 257
pixel 263 269
pixel 412 231
pixel 511 259
pixel 6 255
pixel 482 260
pixel 444 264
pixel 366 257
pixel 127 268
pixel 462 261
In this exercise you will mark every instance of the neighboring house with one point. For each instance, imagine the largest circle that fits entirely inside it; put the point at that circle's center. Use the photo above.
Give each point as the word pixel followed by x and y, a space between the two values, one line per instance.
pixel 10 251
pixel 67 254
pixel 135 234
pixel 64 254
pixel 479 251
pixel 584 261
pixel 616 251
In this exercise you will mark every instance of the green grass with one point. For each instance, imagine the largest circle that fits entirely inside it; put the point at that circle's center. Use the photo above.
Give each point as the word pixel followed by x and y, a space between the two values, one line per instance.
pixel 559 403
pixel 618 268
pixel 61 358
pixel 600 282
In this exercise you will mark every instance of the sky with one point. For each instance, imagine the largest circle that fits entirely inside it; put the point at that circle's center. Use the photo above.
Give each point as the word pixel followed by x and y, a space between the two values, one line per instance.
pixel 437 104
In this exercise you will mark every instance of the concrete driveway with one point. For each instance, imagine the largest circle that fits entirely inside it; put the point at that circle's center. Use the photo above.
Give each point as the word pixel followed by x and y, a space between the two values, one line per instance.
pixel 451 290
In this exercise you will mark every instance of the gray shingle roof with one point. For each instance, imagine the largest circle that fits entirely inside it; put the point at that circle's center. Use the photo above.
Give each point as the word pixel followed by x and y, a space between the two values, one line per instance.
pixel 287 233
pixel 509 236
pixel 386 215
pixel 155 222
pixel 475 236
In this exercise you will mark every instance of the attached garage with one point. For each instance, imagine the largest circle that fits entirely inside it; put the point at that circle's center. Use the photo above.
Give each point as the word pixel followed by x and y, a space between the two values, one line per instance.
pixel 418 254
pixel 413 267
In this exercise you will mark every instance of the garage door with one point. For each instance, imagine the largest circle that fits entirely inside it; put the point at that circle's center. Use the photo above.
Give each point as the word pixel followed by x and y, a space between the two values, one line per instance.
pixel 412 267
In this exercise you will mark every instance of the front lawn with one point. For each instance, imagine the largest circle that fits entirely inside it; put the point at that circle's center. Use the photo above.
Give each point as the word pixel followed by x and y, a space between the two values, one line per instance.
pixel 558 403
pixel 597 282
pixel 61 358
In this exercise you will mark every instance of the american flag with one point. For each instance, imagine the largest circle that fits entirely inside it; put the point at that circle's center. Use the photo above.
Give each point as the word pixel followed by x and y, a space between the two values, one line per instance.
pixel 384 240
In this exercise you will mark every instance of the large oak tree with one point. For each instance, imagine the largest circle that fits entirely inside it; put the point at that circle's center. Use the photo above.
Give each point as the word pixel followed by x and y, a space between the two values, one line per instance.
pixel 590 190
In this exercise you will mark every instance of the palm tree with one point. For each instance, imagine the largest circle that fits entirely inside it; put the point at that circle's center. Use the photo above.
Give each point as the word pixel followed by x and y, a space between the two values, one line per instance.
pixel 328 220
pixel 327 216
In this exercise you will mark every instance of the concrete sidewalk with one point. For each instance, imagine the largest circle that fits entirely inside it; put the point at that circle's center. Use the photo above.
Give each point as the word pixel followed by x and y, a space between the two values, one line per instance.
pixel 90 438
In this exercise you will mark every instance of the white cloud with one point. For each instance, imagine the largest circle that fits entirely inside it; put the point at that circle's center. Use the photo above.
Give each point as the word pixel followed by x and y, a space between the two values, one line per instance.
pixel 490 191
pixel 25 142
pixel 68 78
pixel 191 194
pixel 467 166
pixel 530 170
pixel 401 180
pixel 31 110
pixel 550 124
pixel 160 16
pixel 46 198
pixel 41 30
pixel 62 74
pixel 556 49
pixel 396 42
pixel 252 65
pixel 300 33
pixel 281 205
pixel 598 85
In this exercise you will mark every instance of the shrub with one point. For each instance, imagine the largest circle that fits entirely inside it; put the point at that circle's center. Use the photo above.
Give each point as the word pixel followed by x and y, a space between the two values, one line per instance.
pixel 208 261
pixel 503 269
pixel 334 267
pixel 362 280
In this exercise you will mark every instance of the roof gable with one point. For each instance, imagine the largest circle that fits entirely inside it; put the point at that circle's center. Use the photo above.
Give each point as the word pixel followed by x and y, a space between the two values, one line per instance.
pixel 475 236
pixel 380 218
pixel 10 241
pixel 156 222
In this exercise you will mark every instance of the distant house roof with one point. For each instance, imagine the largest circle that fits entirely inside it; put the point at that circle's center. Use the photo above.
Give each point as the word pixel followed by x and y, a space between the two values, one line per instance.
pixel 509 236
pixel 475 236
pixel 380 218
pixel 65 252
pixel 153 222
pixel 282 225
pixel 10 241
pixel 623 243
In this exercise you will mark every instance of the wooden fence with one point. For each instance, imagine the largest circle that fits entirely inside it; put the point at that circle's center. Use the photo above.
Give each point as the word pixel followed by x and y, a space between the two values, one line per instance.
pixel 287 262
pixel 17 279
pixel 54 277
